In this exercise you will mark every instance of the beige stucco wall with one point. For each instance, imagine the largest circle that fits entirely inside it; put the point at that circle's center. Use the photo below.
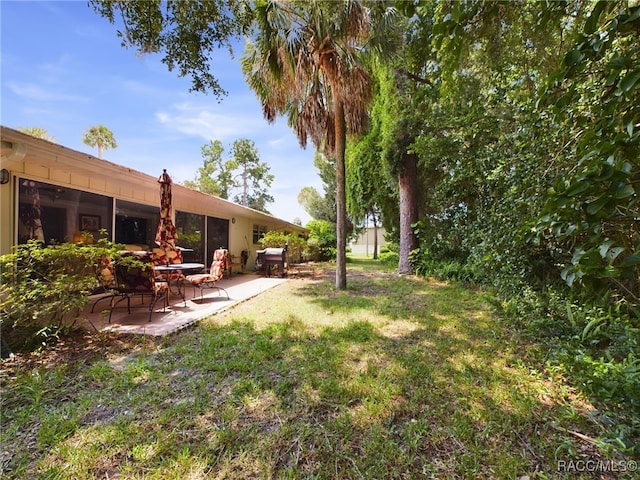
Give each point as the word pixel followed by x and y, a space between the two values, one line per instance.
pixel 363 245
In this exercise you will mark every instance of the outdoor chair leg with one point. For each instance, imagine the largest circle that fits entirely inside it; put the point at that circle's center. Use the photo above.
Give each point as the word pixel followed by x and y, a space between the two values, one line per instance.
pixel 154 299
pixel 114 305
pixel 111 296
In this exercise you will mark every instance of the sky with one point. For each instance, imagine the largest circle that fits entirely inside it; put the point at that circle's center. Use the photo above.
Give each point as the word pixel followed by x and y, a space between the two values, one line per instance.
pixel 62 68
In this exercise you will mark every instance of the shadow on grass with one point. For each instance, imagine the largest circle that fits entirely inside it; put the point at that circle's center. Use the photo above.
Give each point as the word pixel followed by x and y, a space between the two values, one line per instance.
pixel 417 380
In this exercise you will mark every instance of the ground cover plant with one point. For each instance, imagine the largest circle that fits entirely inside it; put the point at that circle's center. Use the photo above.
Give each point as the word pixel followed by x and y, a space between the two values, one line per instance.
pixel 395 377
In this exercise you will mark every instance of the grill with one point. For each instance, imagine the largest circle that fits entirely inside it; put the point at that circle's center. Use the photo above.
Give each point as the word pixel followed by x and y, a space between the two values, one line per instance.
pixel 271 256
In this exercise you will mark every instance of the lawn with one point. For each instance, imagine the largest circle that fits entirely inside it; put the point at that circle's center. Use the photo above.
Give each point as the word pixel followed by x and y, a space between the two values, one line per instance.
pixel 397 377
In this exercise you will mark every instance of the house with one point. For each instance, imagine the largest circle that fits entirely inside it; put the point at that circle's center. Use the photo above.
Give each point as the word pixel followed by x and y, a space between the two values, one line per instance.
pixel 54 193
pixel 365 243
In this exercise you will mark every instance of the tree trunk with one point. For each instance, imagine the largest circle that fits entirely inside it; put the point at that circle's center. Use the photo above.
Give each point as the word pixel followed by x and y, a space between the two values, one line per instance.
pixel 244 186
pixel 341 198
pixel 375 236
pixel 408 186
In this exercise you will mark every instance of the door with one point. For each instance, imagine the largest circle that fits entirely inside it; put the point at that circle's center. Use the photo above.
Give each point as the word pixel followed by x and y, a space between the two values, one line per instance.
pixel 217 236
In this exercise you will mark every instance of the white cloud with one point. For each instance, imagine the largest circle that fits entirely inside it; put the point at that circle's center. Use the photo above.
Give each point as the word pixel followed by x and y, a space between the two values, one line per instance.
pixel 31 91
pixel 58 68
pixel 279 142
pixel 138 87
pixel 209 121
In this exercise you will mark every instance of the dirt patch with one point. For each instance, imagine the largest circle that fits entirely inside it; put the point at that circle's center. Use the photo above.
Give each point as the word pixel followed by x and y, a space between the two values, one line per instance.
pixel 78 347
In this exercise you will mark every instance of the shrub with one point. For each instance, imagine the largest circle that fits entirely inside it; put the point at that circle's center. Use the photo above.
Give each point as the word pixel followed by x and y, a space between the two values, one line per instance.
pixel 389 259
pixel 43 289
pixel 321 244
pixel 444 269
pixel 296 246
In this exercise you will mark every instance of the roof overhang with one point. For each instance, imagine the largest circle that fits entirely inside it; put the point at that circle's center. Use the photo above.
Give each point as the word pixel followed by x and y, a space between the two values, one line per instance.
pixel 17 147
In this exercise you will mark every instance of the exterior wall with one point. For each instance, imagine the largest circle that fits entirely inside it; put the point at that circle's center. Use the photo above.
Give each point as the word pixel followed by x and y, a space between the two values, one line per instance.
pixel 7 216
pixel 240 238
pixel 363 245
pixel 29 158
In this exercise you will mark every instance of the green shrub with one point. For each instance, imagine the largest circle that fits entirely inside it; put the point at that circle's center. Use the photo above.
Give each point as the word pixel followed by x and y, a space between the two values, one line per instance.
pixel 296 246
pixel 389 259
pixel 43 289
pixel 321 244
pixel 444 269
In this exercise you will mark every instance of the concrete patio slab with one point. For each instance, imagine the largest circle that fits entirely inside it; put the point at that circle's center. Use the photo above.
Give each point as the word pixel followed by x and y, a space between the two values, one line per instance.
pixel 179 313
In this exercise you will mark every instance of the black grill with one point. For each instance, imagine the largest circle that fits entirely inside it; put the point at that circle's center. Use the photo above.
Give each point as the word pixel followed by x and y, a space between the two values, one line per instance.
pixel 271 256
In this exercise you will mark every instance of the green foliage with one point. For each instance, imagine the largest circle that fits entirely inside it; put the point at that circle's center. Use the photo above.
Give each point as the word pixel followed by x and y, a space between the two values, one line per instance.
pixel 389 259
pixel 253 178
pixel 595 347
pixel 38 132
pixel 212 177
pixel 535 193
pixel 45 288
pixel 101 137
pixel 451 270
pixel 188 35
pixel 321 244
pixel 321 206
pixel 593 206
pixel 614 384
pixel 296 245
pixel 242 173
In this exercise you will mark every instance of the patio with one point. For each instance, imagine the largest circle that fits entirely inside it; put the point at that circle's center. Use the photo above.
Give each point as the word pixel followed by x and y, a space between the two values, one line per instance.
pixel 177 315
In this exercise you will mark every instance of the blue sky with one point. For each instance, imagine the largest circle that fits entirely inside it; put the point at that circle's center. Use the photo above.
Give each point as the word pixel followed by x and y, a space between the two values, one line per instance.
pixel 63 69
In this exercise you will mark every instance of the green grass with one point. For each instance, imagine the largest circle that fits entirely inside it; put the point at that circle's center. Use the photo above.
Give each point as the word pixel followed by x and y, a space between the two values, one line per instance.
pixel 396 377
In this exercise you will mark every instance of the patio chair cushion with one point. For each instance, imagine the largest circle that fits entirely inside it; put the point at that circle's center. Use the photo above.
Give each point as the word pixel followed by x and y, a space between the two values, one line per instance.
pixel 215 273
pixel 105 273
pixel 209 280
pixel 134 279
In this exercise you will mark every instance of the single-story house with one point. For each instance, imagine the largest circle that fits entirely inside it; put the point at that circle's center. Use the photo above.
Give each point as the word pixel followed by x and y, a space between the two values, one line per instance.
pixel 54 193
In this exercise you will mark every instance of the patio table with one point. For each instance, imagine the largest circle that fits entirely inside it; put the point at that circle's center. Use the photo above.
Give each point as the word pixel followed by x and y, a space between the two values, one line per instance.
pixel 182 268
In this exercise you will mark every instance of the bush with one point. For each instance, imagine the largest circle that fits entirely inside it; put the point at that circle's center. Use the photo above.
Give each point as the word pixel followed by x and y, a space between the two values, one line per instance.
pixel 389 259
pixel 318 252
pixel 296 246
pixel 443 269
pixel 43 289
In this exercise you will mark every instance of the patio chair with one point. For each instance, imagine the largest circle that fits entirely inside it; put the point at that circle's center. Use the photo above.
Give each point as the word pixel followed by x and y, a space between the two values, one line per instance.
pixel 136 277
pixel 216 272
pixel 106 281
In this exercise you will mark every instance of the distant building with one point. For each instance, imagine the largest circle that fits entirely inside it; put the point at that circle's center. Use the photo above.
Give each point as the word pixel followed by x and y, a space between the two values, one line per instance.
pixel 53 193
pixel 364 244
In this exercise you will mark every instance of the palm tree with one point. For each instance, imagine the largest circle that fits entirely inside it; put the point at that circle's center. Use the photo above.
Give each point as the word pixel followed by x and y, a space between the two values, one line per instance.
pixel 38 132
pixel 101 137
pixel 306 61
